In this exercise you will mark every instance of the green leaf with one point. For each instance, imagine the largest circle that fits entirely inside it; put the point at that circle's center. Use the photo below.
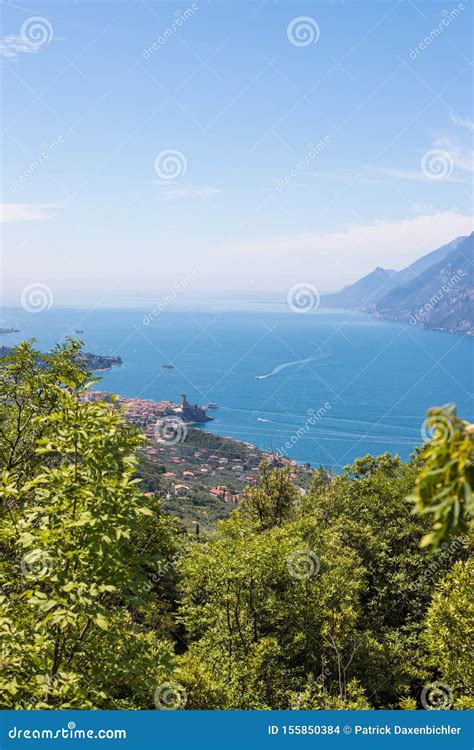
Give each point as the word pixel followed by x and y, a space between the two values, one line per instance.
pixel 101 621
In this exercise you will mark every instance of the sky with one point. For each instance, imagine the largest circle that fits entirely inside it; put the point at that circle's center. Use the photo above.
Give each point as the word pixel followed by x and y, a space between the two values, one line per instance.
pixel 230 145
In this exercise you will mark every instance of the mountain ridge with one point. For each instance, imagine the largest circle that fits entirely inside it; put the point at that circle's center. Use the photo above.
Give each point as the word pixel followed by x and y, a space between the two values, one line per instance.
pixel 364 291
pixel 440 298
pixel 436 291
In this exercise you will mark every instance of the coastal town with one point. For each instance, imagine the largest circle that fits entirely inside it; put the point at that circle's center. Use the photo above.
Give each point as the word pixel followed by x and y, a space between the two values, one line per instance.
pixel 143 413
pixel 198 475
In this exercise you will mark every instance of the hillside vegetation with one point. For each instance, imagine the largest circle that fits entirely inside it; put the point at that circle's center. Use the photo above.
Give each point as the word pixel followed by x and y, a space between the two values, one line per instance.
pixel 353 595
pixel 202 478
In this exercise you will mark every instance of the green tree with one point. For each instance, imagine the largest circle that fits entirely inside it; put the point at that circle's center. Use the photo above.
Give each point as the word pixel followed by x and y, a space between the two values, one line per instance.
pixel 28 390
pixel 370 507
pixel 77 539
pixel 264 610
pixel 318 605
pixel 444 486
pixel 274 499
pixel 449 634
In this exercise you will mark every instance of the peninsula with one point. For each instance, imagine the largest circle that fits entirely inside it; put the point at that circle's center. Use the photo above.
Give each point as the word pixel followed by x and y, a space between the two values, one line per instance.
pixel 95 362
pixel 99 362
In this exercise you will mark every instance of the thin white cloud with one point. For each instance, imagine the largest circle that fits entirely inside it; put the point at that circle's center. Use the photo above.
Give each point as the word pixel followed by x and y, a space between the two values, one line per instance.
pixel 174 194
pixel 462 122
pixel 463 158
pixel 332 259
pixel 14 212
pixel 12 46
pixel 460 154
pixel 416 175
pixel 35 32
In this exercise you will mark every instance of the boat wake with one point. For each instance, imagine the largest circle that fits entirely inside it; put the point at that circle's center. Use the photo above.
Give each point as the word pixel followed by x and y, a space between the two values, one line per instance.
pixel 285 365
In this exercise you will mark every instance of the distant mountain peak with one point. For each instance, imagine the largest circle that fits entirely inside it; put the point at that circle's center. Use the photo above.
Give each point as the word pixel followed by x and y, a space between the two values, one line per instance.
pixel 442 297
pixel 363 293
pixel 436 291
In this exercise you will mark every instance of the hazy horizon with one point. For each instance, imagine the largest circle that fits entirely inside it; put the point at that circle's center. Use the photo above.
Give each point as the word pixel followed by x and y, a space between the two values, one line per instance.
pixel 179 292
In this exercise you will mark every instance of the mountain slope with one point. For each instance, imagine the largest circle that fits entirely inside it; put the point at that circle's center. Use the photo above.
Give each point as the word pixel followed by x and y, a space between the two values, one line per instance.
pixel 442 297
pixel 436 291
pixel 363 293
pixel 426 261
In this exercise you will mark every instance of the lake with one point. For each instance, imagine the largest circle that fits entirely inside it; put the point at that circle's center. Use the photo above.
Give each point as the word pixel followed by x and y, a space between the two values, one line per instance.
pixel 323 387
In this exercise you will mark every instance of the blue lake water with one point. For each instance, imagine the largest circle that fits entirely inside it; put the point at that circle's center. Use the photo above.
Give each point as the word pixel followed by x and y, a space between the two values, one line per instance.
pixel 347 384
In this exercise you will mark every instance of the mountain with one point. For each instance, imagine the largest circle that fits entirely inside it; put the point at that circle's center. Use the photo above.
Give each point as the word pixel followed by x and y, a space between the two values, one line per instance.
pixel 442 297
pixel 436 291
pixel 364 292
pixel 430 259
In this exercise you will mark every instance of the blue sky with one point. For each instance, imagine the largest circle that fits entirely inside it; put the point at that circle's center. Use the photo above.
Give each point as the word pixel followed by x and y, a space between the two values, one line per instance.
pixel 304 150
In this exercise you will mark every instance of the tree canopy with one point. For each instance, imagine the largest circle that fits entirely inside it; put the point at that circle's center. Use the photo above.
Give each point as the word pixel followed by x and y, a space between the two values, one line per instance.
pixel 353 593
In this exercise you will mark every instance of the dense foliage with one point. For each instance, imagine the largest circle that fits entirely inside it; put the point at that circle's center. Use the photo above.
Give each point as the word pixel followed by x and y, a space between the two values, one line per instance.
pixel 76 539
pixel 318 601
pixel 315 598
pixel 444 487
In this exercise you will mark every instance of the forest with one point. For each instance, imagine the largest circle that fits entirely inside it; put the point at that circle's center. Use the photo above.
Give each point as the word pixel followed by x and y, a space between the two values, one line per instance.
pixel 354 595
